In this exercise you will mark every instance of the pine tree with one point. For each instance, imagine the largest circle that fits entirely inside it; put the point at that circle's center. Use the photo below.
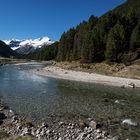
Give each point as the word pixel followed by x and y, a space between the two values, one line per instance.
pixel 79 39
pixel 115 43
pixel 135 39
pixel 66 46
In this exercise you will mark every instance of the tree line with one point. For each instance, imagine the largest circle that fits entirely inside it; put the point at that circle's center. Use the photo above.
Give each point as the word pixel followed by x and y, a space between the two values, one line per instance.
pixel 114 37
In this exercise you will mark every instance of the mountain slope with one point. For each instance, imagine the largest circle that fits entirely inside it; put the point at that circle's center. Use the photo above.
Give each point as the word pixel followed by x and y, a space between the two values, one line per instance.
pixel 110 37
pixel 113 37
pixel 129 6
pixel 29 45
pixel 6 51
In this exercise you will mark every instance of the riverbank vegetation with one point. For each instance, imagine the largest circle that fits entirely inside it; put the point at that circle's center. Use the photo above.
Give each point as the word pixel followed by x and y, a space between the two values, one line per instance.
pixel 111 69
pixel 4 60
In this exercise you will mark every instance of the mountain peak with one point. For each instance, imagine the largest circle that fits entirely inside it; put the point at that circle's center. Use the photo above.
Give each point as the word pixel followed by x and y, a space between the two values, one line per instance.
pixel 24 44
pixel 44 38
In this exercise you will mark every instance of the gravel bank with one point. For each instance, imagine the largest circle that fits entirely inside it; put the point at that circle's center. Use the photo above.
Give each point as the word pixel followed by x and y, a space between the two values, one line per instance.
pixel 14 125
pixel 56 72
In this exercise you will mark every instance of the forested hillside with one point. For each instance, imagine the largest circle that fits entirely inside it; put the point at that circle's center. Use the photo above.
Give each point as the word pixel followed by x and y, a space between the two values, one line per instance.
pixel 114 37
pixel 46 53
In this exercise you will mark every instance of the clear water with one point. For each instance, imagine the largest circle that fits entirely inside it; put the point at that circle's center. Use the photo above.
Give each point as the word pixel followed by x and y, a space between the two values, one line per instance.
pixel 37 97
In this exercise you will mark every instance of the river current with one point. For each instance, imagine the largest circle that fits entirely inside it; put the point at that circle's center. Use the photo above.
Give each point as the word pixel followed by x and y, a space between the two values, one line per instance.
pixel 37 97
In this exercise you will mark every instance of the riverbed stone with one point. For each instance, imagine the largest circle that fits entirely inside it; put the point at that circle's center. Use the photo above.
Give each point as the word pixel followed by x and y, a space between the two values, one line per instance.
pixel 1 108
pixel 25 131
pixel 38 131
pixel 14 119
pixel 33 132
pixel 61 123
pixel 44 125
pixel 58 131
pixel 19 127
pixel 11 113
pixel 60 138
pixel 131 85
pixel 43 132
pixel 98 131
pixel 48 132
pixel 82 124
pixel 98 136
pixel 93 124
pixel 2 116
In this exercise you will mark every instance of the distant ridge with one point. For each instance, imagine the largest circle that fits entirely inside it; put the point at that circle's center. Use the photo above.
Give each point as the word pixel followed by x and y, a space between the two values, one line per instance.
pixel 28 45
pixel 5 50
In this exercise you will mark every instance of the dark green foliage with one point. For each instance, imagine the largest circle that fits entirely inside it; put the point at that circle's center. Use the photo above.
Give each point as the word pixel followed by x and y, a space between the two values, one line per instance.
pixel 66 46
pixel 50 52
pixel 47 53
pixel 129 57
pixel 130 5
pixel 115 43
pixel 80 36
pixel 135 39
pixel 92 22
pixel 115 36
pixel 104 25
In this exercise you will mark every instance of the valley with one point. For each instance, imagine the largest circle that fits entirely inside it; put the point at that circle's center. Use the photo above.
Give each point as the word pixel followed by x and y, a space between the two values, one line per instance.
pixel 70 70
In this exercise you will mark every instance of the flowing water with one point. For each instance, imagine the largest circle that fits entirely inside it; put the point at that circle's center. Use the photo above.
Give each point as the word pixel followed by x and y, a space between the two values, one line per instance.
pixel 37 97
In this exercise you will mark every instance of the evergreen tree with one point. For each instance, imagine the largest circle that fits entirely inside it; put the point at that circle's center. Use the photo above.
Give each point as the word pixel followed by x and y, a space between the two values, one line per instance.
pixel 66 46
pixel 115 43
pixel 79 39
pixel 92 22
pixel 113 36
pixel 135 39
pixel 129 21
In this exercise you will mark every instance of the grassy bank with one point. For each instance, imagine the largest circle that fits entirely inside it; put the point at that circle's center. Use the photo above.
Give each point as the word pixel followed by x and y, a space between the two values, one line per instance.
pixel 4 60
pixel 113 69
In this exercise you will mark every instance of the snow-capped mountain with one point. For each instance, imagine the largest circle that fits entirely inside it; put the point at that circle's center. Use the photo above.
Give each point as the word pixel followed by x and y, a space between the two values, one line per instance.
pixel 29 45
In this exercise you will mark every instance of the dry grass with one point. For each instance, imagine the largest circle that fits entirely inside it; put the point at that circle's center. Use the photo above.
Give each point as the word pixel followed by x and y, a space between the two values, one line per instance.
pixel 101 68
pixel 132 71
pixel 10 60
pixel 113 69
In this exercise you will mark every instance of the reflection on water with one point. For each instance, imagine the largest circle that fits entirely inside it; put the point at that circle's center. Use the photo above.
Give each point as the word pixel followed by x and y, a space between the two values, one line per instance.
pixel 38 97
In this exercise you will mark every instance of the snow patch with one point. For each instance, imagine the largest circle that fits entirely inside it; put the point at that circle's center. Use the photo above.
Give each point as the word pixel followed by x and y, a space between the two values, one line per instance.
pixel 36 43
pixel 26 46
pixel 7 42
pixel 14 48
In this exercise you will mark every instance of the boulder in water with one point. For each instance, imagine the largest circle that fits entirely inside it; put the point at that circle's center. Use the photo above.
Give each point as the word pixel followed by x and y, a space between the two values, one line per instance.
pixel 129 122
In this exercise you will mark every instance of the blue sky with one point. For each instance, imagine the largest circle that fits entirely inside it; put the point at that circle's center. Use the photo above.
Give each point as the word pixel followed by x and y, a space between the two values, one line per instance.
pixel 23 19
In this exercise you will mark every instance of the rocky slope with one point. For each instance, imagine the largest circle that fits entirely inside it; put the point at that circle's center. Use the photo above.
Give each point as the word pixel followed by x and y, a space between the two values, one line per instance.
pixel 28 45
pixel 5 50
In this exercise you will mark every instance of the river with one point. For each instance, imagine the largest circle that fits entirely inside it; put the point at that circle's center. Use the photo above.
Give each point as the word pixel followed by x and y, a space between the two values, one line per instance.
pixel 38 97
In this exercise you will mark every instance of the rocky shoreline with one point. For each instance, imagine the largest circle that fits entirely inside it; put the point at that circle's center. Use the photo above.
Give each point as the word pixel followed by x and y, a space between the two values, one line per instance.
pixel 50 69
pixel 59 127
pixel 14 125
pixel 59 73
